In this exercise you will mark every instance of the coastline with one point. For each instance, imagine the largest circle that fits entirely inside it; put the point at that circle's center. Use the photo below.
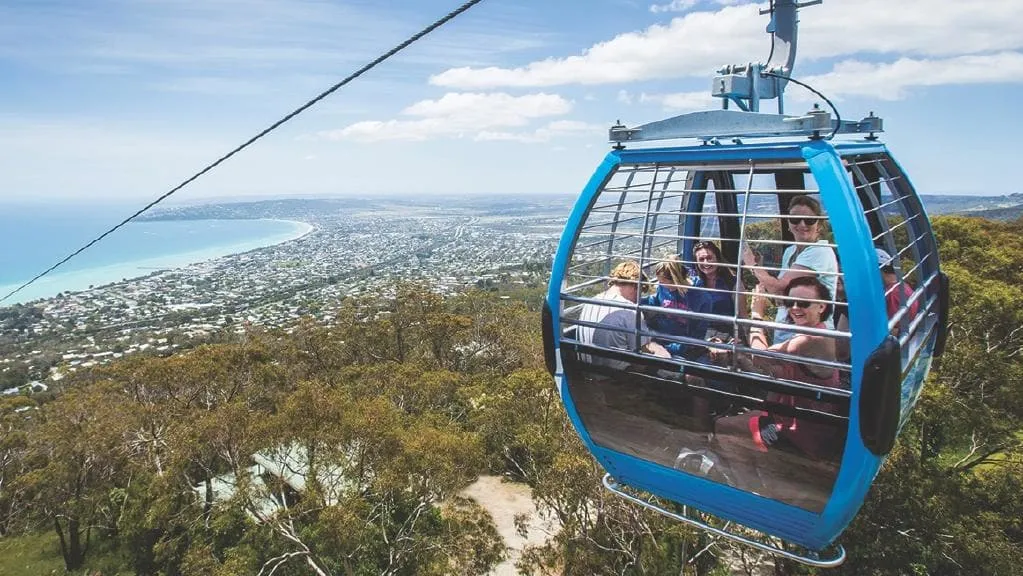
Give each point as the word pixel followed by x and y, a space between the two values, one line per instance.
pixel 81 280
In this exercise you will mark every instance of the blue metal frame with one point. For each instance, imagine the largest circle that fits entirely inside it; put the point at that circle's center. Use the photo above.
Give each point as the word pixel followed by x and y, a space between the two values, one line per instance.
pixel 868 326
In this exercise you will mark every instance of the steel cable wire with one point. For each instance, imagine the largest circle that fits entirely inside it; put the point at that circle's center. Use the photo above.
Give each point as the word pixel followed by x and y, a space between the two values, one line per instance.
pixel 408 42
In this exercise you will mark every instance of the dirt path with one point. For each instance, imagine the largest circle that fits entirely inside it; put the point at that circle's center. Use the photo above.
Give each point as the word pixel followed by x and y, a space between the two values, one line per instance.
pixel 504 500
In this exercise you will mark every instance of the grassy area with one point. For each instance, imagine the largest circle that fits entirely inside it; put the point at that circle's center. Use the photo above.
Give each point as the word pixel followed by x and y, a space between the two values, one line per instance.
pixel 994 458
pixel 34 554
pixel 39 555
pixel 952 456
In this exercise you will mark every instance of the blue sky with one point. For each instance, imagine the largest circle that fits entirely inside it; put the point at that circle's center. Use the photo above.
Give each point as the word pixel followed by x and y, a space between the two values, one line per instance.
pixel 122 99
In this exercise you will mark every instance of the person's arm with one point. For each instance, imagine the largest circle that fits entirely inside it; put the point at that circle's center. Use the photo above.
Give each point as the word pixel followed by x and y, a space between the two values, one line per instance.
pixel 774 366
pixel 817 347
pixel 758 307
pixel 656 349
pixel 750 363
pixel 653 299
pixel 773 284
pixel 842 345
pixel 744 310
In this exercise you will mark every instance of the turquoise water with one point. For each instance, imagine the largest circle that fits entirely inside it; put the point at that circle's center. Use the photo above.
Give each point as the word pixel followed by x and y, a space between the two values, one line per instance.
pixel 33 238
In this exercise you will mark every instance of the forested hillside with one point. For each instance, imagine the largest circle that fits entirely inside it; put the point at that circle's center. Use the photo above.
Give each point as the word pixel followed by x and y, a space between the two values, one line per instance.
pixel 188 465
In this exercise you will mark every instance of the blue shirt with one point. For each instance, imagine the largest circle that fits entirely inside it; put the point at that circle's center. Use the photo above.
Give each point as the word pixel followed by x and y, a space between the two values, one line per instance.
pixel 707 302
pixel 669 324
pixel 666 297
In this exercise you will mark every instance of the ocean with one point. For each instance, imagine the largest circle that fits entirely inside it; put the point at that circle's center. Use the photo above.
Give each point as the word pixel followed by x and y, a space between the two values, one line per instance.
pixel 34 237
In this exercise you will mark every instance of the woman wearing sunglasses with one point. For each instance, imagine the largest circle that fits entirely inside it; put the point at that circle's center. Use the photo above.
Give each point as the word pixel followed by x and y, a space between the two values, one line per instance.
pixel 808 256
pixel 808 307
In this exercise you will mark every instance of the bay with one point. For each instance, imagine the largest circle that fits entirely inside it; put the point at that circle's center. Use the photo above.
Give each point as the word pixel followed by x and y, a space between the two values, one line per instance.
pixel 34 237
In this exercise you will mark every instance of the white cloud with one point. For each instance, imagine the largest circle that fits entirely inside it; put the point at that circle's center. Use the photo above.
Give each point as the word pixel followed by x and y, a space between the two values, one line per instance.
pixel 682 47
pixel 458 115
pixel 892 81
pixel 910 27
pixel 699 42
pixel 674 6
pixel 493 108
pixel 544 134
pixel 624 97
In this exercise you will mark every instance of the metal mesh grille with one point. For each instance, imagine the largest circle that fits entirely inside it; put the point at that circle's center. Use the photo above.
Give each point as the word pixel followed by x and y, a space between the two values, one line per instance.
pixel 648 212
pixel 900 227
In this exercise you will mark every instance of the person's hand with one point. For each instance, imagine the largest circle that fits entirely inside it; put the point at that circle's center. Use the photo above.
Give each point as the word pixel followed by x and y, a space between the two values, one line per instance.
pixel 758 304
pixel 661 352
pixel 720 356
pixel 656 349
pixel 748 257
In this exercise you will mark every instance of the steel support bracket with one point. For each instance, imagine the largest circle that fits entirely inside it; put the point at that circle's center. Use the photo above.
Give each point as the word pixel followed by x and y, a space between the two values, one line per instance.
pixel 711 124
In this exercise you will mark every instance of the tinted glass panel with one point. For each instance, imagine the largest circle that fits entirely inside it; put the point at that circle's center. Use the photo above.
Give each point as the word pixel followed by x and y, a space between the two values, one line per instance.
pixel 702 427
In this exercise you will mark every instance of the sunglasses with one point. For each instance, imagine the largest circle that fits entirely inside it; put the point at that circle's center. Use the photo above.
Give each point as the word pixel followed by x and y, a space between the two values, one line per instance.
pixel 803 221
pixel 803 304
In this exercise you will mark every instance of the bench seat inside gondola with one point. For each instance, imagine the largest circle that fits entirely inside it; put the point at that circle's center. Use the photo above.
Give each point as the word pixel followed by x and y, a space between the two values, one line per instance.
pixel 648 410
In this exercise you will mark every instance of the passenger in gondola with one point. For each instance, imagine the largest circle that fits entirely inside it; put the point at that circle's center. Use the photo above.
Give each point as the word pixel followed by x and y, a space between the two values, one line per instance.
pixel 895 295
pixel 617 319
pixel 714 293
pixel 809 256
pixel 738 438
pixel 672 293
pixel 807 308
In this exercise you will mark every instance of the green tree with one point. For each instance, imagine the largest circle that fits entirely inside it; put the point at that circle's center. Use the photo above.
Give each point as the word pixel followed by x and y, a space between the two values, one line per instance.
pixel 947 500
pixel 78 445
pixel 16 429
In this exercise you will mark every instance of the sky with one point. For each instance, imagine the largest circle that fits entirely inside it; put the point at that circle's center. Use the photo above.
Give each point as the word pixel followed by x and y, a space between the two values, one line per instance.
pixel 120 100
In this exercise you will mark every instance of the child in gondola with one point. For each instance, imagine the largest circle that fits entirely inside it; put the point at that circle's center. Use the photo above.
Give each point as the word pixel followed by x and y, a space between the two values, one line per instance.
pixel 672 284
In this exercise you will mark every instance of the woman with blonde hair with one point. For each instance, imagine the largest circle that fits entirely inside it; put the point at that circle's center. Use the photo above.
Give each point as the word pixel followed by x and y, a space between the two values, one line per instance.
pixel 672 284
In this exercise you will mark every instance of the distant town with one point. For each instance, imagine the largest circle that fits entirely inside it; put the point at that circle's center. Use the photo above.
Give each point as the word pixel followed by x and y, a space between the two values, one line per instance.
pixel 357 248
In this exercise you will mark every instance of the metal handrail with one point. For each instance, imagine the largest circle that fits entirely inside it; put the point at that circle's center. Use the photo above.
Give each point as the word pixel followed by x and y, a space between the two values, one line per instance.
pixel 810 558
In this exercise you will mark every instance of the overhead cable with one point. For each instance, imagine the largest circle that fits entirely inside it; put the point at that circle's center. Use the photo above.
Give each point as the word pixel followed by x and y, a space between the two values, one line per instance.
pixel 412 39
